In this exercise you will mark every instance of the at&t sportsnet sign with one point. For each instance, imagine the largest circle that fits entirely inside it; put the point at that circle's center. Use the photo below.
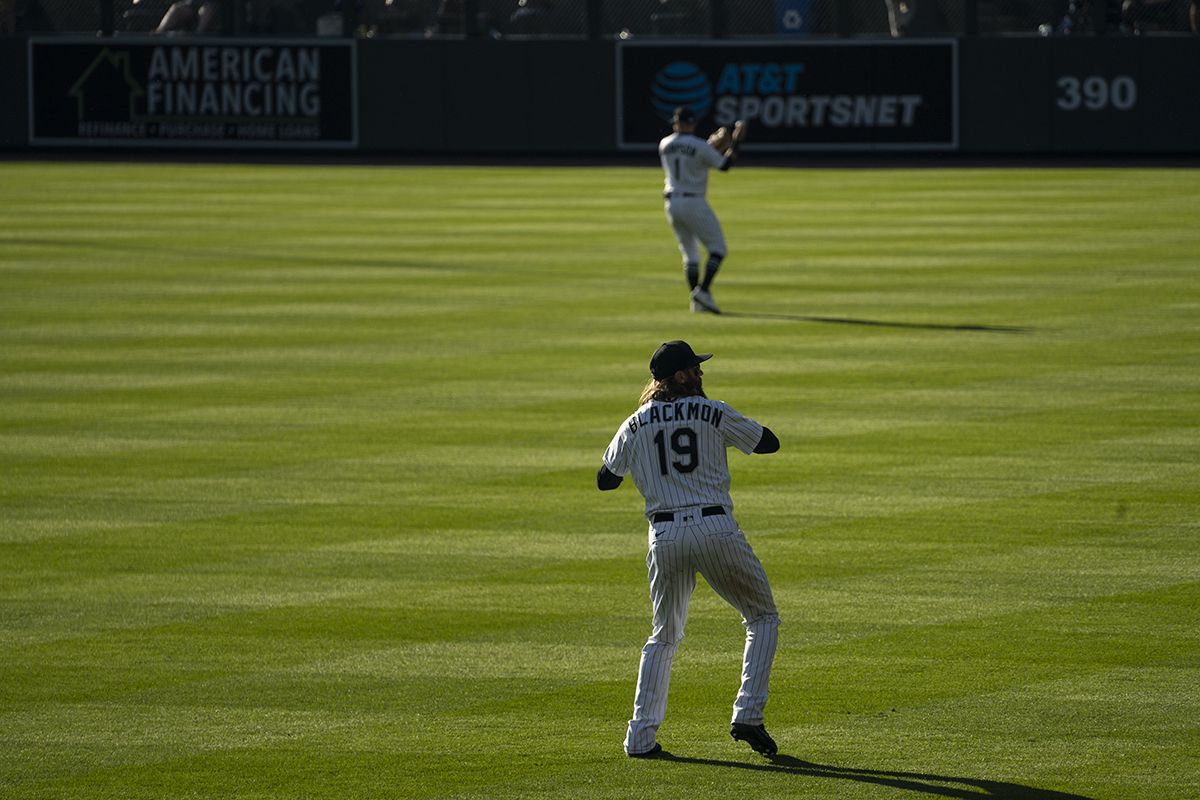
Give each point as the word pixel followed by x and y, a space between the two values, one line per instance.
pixel 192 92
pixel 804 96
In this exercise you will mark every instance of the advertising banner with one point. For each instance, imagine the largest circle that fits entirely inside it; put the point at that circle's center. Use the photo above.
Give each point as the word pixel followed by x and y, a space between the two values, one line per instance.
pixel 802 96
pixel 192 92
pixel 793 17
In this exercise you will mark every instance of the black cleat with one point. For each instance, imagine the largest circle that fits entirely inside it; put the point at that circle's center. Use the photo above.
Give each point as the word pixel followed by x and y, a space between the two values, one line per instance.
pixel 651 753
pixel 756 736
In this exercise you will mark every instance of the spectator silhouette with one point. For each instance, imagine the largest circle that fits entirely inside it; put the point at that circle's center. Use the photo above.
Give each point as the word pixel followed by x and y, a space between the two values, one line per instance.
pixel 183 12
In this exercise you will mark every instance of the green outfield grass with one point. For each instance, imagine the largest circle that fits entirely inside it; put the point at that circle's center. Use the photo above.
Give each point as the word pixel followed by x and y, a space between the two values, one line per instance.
pixel 297 482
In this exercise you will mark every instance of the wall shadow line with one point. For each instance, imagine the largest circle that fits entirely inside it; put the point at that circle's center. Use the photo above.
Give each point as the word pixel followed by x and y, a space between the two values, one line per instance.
pixel 934 785
pixel 880 323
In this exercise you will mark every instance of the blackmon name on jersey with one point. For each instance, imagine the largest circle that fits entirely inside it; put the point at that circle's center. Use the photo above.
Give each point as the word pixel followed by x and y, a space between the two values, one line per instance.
pixel 676 451
pixel 680 411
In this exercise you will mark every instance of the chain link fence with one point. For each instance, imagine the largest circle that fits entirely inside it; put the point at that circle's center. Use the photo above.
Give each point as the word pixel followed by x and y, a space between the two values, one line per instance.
pixel 57 16
pixel 1075 17
pixel 625 19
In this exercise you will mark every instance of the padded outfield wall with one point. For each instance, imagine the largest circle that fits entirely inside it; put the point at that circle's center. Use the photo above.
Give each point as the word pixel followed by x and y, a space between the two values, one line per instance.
pixel 1034 95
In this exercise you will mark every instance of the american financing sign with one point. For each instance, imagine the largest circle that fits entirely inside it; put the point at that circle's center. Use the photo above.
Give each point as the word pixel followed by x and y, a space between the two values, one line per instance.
pixel 192 92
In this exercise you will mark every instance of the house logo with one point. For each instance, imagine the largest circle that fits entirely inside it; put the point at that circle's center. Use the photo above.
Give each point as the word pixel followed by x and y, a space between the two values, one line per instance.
pixel 107 97
pixel 107 90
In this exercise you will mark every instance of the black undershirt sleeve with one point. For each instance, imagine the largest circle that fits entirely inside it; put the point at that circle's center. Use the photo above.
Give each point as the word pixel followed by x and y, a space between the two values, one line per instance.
pixel 769 443
pixel 729 159
pixel 606 481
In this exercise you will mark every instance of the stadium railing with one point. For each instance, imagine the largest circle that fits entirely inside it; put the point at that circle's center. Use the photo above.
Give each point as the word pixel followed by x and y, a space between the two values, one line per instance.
pixel 624 19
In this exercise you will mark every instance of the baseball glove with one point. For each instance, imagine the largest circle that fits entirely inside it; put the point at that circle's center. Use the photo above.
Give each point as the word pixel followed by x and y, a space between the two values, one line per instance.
pixel 720 139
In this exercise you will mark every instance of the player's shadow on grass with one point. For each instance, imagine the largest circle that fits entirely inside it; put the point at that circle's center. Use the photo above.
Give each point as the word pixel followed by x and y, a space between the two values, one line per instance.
pixel 936 785
pixel 881 323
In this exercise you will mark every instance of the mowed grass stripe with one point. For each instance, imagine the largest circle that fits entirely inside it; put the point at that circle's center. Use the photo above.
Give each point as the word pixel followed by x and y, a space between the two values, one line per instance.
pixel 297 494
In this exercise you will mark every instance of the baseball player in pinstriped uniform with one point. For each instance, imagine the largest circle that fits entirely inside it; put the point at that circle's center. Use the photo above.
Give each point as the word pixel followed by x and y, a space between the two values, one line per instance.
pixel 675 447
pixel 686 160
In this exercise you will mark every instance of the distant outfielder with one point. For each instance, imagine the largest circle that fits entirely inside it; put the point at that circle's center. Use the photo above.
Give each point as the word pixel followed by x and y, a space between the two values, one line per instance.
pixel 674 445
pixel 686 160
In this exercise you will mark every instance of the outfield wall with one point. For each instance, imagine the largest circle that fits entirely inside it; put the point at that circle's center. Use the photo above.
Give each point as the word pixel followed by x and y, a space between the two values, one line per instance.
pixel 974 95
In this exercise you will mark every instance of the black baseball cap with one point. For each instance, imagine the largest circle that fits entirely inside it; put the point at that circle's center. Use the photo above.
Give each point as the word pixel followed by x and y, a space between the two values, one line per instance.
pixel 684 114
pixel 670 357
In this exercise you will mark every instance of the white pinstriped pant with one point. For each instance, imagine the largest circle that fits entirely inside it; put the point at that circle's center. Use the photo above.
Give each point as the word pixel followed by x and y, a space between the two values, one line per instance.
pixel 714 547
pixel 694 223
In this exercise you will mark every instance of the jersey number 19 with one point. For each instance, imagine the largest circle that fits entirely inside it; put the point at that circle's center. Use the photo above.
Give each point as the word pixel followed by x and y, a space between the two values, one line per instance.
pixel 683 443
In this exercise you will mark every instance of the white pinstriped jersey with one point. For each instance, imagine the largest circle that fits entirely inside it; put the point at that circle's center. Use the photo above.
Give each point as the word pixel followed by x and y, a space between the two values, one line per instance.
pixel 676 452
pixel 686 160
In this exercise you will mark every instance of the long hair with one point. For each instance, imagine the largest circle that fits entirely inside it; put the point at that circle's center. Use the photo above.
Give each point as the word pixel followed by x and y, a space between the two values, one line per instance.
pixel 668 389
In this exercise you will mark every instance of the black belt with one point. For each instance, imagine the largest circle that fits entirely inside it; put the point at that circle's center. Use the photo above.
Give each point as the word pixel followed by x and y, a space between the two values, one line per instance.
pixel 669 195
pixel 708 511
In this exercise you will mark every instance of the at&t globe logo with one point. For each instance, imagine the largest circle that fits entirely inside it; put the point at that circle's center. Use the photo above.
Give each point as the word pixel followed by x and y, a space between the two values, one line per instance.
pixel 681 84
